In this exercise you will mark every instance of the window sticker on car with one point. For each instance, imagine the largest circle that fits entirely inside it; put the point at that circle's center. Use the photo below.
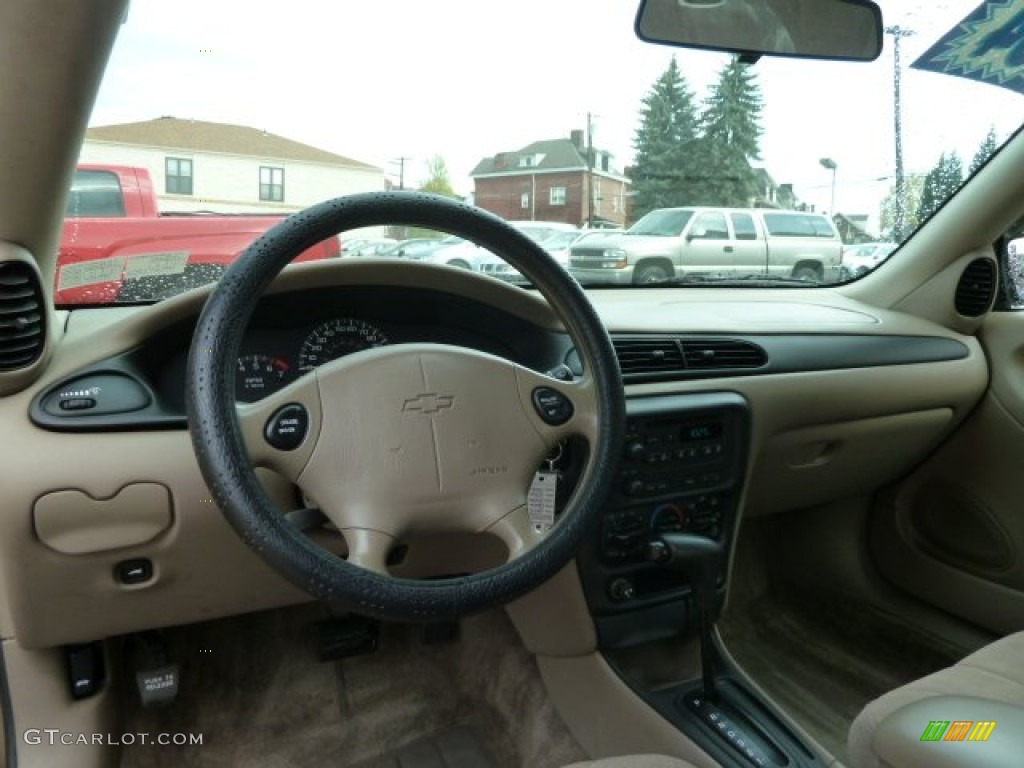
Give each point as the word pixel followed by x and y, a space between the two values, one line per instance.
pixel 156 264
pixel 985 46
pixel 91 272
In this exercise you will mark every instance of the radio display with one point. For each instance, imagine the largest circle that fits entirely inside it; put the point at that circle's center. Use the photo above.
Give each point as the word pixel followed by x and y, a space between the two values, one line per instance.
pixel 705 431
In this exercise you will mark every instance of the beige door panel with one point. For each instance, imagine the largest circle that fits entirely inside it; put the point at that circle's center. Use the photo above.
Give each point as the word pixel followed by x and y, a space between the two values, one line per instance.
pixel 1003 339
pixel 953 533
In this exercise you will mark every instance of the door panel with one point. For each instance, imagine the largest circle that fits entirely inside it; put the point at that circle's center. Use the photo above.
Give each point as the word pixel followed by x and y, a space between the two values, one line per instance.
pixel 953 532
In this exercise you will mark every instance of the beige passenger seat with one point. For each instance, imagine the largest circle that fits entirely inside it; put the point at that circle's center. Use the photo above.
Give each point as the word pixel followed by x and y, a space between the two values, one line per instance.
pixel 635 761
pixel 984 688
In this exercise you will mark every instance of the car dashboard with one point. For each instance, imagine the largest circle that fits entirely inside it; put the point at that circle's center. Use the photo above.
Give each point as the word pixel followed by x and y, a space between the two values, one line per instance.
pixel 712 437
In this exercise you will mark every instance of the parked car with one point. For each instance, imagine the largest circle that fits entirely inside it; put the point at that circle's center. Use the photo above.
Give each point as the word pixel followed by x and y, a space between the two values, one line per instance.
pixel 557 244
pixel 371 246
pixel 428 250
pixel 117 246
pixel 673 242
pixel 352 244
pixel 861 258
pixel 411 248
pixel 469 255
pixel 382 512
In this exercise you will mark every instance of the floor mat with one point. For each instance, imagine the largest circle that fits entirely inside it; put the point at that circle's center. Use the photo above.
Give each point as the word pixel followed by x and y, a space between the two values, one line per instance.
pixel 251 685
pixel 458 747
pixel 823 661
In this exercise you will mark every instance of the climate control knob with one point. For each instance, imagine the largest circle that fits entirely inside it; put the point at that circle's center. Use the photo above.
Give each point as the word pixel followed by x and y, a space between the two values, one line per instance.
pixel 621 589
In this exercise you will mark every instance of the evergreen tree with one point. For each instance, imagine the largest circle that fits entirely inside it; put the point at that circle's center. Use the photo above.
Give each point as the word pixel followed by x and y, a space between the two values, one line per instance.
pixel 941 182
pixel 731 137
pixel 732 112
pixel 911 203
pixel 668 123
pixel 985 151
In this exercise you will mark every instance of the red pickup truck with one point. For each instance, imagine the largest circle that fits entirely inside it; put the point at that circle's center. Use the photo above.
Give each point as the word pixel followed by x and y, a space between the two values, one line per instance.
pixel 116 246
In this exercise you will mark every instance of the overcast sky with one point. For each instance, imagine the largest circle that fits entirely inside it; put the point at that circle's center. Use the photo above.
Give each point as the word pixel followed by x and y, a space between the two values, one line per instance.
pixel 378 80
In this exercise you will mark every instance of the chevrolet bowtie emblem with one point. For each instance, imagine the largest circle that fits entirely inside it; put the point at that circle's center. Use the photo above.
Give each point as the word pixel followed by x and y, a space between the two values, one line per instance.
pixel 429 403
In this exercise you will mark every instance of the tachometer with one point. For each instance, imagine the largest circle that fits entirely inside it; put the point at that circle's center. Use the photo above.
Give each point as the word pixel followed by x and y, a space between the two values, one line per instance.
pixel 337 338
pixel 258 376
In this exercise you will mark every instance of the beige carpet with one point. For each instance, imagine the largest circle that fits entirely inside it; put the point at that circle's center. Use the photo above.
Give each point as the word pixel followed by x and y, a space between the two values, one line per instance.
pixel 253 687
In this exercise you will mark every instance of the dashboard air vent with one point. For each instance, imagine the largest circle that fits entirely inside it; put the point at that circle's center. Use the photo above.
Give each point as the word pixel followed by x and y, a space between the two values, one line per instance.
pixel 976 289
pixel 713 354
pixel 655 355
pixel 22 327
pixel 669 357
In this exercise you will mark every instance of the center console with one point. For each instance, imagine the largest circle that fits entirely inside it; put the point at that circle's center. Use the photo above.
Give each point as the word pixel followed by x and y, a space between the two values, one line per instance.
pixel 683 470
pixel 657 568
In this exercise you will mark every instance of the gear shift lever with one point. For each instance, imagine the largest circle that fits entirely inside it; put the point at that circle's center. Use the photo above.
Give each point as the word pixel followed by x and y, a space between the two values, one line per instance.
pixel 700 559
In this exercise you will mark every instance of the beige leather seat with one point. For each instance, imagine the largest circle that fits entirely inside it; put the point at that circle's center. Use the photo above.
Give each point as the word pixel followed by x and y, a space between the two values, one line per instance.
pixel 987 685
pixel 635 761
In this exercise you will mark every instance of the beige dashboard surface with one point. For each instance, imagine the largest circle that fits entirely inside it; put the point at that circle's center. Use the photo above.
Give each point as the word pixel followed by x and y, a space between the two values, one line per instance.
pixel 815 436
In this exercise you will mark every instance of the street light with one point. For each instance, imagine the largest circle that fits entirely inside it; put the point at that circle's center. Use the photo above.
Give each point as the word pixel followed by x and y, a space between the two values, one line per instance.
pixel 830 165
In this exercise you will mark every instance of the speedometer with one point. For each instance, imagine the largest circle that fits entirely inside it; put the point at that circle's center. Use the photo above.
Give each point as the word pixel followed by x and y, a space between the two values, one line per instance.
pixel 336 338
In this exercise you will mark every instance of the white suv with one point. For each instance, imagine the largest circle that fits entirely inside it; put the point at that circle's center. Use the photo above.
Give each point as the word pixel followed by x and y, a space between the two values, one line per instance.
pixel 670 242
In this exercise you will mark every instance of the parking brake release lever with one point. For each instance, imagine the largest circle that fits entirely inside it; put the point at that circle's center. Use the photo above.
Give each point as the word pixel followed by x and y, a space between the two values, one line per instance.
pixel 700 559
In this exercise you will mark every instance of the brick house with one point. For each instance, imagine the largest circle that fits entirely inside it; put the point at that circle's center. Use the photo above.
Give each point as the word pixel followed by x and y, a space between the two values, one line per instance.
pixel 551 181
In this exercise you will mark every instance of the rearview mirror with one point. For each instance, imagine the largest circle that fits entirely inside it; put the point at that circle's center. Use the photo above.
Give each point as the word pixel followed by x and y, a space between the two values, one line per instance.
pixel 846 30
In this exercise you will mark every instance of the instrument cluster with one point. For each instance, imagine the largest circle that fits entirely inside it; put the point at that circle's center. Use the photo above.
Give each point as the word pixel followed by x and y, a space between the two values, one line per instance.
pixel 263 371
pixel 290 334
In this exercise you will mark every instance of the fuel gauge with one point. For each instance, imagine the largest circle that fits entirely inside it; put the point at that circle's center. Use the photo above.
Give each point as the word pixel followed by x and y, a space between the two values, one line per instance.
pixel 258 376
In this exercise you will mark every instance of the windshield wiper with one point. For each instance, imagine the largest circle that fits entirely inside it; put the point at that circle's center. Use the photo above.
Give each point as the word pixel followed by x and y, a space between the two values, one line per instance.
pixel 738 280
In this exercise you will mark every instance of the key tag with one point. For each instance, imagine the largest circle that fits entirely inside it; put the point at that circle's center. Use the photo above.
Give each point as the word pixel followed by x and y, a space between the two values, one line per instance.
pixel 540 501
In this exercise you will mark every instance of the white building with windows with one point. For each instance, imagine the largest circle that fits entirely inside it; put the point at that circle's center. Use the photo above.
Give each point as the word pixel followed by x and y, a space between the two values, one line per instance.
pixel 202 166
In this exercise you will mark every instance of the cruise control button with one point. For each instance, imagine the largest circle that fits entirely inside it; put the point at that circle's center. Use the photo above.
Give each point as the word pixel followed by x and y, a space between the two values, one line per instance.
pixel 287 428
pixel 552 406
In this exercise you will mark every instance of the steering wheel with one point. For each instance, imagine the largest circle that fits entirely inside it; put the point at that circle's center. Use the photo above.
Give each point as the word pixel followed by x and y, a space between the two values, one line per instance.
pixel 409 439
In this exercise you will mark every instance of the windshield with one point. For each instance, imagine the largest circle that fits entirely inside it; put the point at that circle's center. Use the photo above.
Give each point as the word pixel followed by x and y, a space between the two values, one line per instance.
pixel 662 223
pixel 784 166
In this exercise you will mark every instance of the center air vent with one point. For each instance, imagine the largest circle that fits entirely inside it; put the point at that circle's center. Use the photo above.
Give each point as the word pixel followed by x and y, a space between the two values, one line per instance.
pixel 661 357
pixel 22 328
pixel 976 289
pixel 714 354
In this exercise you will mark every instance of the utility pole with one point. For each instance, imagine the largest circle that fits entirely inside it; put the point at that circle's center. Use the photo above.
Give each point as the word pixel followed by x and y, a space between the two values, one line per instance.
pixel 400 162
pixel 401 231
pixel 899 220
pixel 590 171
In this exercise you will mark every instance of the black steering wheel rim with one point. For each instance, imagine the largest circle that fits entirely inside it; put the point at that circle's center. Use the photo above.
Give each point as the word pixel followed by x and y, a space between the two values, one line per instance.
pixel 223 460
